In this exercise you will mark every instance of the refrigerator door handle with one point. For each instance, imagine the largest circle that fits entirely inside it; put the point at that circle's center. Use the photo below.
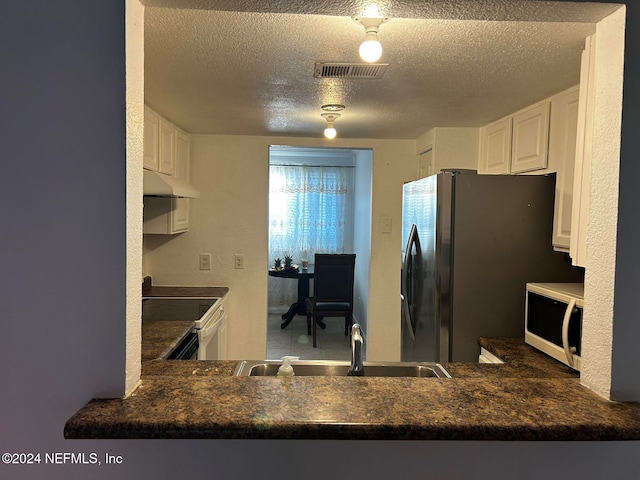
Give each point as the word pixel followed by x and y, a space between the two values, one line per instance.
pixel 404 295
pixel 407 318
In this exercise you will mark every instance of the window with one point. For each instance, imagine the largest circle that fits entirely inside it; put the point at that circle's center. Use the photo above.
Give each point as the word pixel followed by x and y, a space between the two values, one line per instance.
pixel 310 211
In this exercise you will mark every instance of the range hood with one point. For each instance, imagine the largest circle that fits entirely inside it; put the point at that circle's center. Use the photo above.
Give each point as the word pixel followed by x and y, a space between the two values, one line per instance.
pixel 160 185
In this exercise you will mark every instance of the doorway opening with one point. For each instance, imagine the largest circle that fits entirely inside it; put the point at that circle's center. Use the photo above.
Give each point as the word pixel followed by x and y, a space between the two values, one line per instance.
pixel 319 202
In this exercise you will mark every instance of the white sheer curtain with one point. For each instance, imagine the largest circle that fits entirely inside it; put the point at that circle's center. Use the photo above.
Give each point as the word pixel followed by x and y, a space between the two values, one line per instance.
pixel 308 208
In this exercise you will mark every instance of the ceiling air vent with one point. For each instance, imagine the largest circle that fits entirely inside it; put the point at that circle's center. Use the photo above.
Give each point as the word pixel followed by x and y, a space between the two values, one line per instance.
pixel 349 70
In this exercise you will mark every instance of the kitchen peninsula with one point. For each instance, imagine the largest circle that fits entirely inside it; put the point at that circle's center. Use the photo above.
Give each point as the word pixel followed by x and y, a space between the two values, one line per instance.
pixel 529 397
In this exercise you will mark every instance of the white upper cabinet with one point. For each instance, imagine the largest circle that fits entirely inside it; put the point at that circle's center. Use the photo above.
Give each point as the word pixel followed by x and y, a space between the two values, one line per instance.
pixel 530 139
pixel 584 144
pixel 151 156
pixel 166 150
pixel 544 138
pixel 167 145
pixel 182 155
pixel 495 148
pixel 517 143
pixel 180 215
pixel 180 220
pixel 562 155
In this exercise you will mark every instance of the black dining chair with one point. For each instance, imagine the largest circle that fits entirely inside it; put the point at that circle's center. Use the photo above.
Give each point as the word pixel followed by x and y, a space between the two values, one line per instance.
pixel 332 290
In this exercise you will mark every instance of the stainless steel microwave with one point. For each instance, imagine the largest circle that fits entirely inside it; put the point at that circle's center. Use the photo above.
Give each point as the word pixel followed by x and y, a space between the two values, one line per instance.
pixel 553 320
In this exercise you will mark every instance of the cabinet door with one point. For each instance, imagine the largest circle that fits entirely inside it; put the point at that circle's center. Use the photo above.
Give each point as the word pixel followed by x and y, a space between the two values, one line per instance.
pixel 183 144
pixel 562 154
pixel 165 215
pixel 167 148
pixel 181 205
pixel 584 144
pixel 530 139
pixel 495 148
pixel 180 215
pixel 151 156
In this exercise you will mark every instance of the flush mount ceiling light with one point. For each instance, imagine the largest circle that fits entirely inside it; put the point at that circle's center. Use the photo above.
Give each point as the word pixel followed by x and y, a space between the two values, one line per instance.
pixel 333 107
pixel 330 131
pixel 370 49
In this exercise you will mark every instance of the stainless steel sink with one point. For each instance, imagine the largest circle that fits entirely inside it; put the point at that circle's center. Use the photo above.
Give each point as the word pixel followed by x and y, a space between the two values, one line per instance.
pixel 326 368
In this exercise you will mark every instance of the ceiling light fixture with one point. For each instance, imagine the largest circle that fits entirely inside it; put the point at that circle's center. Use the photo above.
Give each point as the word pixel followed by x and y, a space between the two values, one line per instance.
pixel 333 107
pixel 330 131
pixel 370 49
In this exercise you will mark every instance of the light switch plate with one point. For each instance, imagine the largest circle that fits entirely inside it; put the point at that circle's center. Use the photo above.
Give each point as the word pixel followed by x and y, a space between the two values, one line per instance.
pixel 239 261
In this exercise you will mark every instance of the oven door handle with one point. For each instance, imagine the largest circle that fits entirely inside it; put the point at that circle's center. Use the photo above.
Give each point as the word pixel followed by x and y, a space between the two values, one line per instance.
pixel 210 329
pixel 568 350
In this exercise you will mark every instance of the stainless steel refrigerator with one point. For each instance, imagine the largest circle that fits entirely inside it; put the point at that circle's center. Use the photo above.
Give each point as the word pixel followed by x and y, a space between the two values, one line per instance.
pixel 470 244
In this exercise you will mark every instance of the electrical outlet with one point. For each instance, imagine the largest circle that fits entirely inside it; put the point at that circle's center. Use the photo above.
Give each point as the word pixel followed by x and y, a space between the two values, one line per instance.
pixel 239 261
pixel 205 261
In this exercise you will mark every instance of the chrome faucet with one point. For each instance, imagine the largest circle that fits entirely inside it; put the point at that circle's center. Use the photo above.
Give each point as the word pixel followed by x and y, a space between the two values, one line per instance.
pixel 357 344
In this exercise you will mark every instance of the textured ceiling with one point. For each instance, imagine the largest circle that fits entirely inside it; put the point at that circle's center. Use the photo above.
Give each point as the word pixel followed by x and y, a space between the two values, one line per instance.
pixel 238 68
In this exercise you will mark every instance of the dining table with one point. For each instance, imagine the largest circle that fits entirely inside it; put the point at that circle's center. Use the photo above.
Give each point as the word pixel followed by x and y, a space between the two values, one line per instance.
pixel 302 275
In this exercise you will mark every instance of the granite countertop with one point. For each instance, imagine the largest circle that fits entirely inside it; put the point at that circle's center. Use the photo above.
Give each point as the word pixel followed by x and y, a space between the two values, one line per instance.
pixel 521 361
pixel 530 397
pixel 161 337
pixel 187 368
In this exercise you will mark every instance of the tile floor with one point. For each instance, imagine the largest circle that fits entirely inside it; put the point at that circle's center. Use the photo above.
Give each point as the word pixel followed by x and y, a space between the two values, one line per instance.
pixel 293 340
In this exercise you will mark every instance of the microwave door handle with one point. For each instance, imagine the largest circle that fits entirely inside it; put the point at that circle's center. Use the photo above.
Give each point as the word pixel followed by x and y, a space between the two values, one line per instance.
pixel 565 331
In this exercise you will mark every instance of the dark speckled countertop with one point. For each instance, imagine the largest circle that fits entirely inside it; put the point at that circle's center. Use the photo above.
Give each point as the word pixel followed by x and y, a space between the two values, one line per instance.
pixel 530 397
pixel 161 337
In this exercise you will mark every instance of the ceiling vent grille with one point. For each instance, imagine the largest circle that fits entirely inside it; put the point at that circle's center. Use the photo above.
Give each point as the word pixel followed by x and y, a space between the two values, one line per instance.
pixel 349 70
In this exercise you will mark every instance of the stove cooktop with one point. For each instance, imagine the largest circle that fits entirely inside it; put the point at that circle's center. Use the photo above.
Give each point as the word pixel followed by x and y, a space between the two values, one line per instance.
pixel 175 308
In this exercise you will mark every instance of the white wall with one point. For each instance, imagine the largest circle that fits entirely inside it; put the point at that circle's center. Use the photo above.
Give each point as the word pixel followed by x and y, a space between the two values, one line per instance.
pixel 63 275
pixel 230 218
pixel 135 132
pixel 426 141
pixel 456 148
pixel 362 236
pixel 598 368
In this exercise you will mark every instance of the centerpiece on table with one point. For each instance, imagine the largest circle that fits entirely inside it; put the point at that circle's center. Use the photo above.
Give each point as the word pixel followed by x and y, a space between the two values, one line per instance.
pixel 288 265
